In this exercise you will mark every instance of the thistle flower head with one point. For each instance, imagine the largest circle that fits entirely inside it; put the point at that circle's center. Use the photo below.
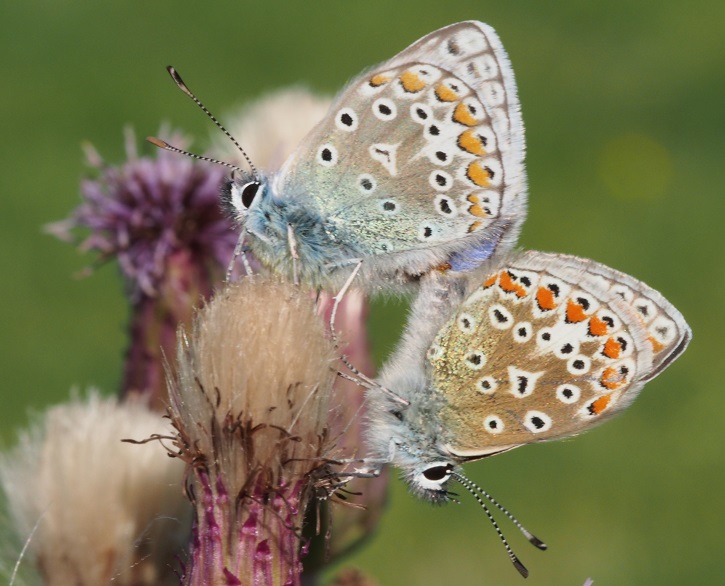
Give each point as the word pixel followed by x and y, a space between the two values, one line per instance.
pixel 106 511
pixel 149 209
pixel 250 403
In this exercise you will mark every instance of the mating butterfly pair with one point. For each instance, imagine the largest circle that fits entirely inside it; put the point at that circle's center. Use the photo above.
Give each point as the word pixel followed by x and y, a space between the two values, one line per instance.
pixel 416 175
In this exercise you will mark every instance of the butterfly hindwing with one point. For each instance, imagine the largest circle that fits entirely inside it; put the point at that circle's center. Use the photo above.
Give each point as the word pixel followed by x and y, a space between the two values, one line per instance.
pixel 546 346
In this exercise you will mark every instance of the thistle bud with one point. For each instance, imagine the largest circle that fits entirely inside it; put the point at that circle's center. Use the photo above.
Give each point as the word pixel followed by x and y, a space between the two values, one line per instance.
pixel 92 509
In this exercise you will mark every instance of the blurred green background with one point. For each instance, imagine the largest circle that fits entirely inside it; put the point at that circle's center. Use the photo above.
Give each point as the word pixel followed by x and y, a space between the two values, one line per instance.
pixel 624 104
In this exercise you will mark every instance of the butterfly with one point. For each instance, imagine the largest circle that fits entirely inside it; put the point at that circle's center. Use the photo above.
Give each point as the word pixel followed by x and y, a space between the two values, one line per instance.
pixel 419 164
pixel 531 347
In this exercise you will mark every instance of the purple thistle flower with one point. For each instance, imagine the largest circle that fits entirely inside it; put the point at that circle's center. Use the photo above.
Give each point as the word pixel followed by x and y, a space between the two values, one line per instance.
pixel 147 210
pixel 160 217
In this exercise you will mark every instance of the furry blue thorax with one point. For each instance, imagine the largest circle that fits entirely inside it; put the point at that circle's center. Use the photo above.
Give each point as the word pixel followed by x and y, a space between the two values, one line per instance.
pixel 320 253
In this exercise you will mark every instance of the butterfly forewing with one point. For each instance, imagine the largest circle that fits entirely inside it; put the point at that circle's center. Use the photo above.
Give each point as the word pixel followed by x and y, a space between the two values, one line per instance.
pixel 472 51
pixel 547 346
pixel 423 151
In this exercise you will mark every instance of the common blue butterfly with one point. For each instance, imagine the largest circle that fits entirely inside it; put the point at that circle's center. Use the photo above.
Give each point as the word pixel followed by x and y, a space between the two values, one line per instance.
pixel 530 347
pixel 418 164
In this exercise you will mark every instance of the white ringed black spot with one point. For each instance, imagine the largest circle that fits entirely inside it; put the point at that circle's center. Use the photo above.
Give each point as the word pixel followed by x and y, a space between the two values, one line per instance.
pixel 421 113
pixel 439 155
pixel 445 206
pixel 433 131
pixel 346 119
pixel 366 183
pixel 434 352
pixel 466 323
pixel 568 393
pixel 384 109
pixel 522 331
pixel 493 424
pixel 487 385
pixel 427 231
pixel 475 360
pixel 567 349
pixel 537 421
pixel 578 365
pixel 500 317
pixel 544 337
pixel 327 155
pixel 440 180
pixel 389 207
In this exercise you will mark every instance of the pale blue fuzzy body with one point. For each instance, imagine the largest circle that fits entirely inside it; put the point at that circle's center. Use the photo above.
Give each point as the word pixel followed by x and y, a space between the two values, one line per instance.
pixel 321 254
pixel 413 438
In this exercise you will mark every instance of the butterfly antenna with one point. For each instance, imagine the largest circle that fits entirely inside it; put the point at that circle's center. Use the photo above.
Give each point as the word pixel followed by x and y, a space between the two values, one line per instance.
pixel 476 491
pixel 162 144
pixel 183 87
pixel 368 383
pixel 533 540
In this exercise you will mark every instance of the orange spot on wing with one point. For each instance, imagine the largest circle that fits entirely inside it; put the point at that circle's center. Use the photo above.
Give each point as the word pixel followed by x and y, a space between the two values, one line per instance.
pixel 490 282
pixel 597 327
pixel 510 286
pixel 478 174
pixel 443 267
pixel 379 79
pixel 612 348
pixel 477 210
pixel 474 226
pixel 612 378
pixel 657 346
pixel 599 405
pixel 445 94
pixel 545 299
pixel 463 115
pixel 411 82
pixel 574 312
pixel 470 143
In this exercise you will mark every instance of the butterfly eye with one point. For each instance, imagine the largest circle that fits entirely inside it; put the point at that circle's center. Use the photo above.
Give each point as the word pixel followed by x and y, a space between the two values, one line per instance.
pixel 438 472
pixel 249 192
pixel 397 414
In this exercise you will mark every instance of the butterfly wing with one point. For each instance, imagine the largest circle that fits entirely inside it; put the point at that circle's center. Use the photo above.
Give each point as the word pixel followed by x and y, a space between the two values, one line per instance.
pixel 547 346
pixel 423 154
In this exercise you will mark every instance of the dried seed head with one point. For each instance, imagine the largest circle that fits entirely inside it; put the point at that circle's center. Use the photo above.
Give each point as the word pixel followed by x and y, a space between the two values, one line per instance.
pixel 106 511
pixel 250 402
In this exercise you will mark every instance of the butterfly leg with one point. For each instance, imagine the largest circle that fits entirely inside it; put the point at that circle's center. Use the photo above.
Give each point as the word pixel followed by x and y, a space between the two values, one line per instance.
pixel 236 254
pixel 361 379
pixel 340 295
pixel 330 482
pixel 370 469
pixel 366 382
pixel 293 252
